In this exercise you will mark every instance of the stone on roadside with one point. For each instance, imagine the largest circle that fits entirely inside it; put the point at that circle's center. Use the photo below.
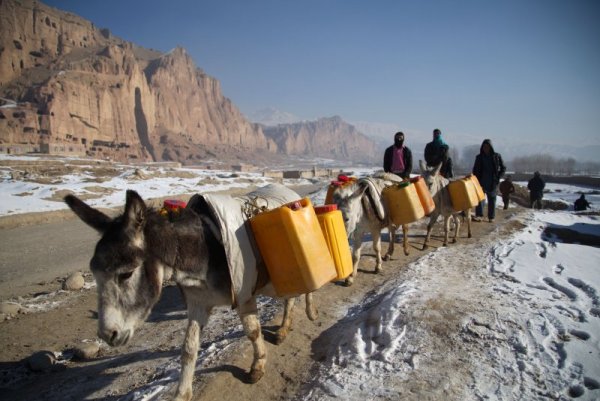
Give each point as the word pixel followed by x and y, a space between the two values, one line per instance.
pixel 10 308
pixel 74 282
pixel 86 351
pixel 41 361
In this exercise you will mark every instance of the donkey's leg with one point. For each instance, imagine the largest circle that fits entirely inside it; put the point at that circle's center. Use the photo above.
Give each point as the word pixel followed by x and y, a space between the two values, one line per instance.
pixel 248 315
pixel 311 311
pixel 446 228
pixel 390 252
pixel 377 248
pixel 457 227
pixel 282 332
pixel 432 220
pixel 356 248
pixel 197 319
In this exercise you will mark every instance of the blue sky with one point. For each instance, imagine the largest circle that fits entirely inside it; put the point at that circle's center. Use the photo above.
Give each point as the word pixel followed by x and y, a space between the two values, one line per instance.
pixel 523 70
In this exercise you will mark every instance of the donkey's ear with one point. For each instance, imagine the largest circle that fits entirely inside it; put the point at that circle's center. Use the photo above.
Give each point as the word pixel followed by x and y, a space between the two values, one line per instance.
pixel 135 210
pixel 92 217
pixel 422 166
pixel 436 170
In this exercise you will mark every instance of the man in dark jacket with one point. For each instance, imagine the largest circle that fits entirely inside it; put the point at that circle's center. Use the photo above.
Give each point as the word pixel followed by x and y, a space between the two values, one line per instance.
pixel 488 169
pixel 536 190
pixel 436 152
pixel 397 158
pixel 581 204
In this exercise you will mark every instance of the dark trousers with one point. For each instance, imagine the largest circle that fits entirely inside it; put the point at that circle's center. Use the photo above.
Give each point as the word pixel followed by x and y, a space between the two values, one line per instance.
pixel 536 202
pixel 491 205
pixel 506 200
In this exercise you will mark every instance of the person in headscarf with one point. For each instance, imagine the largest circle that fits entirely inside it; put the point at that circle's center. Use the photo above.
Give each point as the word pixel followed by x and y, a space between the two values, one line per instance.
pixel 581 204
pixel 488 169
pixel 536 187
pixel 436 152
pixel 506 188
pixel 397 159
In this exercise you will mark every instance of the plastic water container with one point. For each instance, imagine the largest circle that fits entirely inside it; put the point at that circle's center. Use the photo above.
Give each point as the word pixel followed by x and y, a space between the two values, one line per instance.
pixel 478 189
pixel 424 194
pixel 463 194
pixel 334 231
pixel 293 247
pixel 403 203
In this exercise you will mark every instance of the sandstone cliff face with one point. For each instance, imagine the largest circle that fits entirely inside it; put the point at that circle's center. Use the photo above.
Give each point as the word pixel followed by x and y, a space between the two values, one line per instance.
pixel 67 87
pixel 327 137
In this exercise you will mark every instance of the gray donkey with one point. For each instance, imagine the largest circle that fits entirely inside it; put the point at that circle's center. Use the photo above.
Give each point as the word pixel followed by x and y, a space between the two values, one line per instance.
pixel 364 212
pixel 438 186
pixel 139 248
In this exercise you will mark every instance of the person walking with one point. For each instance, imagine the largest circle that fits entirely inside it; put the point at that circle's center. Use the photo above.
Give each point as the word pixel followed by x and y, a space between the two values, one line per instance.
pixel 397 159
pixel 488 169
pixel 506 188
pixel 436 152
pixel 536 190
pixel 581 204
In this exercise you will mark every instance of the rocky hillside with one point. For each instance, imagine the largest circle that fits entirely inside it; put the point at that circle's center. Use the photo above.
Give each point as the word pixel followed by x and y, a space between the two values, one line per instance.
pixel 70 88
pixel 327 137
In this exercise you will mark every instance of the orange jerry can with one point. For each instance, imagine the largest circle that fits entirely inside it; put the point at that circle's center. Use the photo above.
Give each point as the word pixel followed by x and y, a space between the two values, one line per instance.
pixel 403 203
pixel 334 231
pixel 478 189
pixel 424 194
pixel 293 247
pixel 463 194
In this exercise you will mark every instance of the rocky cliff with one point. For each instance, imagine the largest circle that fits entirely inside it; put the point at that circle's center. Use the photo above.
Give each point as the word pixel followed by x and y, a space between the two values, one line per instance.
pixel 331 138
pixel 70 88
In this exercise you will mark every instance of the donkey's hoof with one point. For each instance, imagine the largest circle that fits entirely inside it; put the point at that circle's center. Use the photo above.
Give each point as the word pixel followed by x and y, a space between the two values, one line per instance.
pixel 454 241
pixel 378 269
pixel 470 236
pixel 255 375
pixel 387 257
pixel 312 314
pixel 424 247
pixel 406 253
pixel 349 281
pixel 280 336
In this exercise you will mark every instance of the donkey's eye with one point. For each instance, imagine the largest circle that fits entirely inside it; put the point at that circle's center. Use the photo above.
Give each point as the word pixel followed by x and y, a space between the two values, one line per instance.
pixel 124 276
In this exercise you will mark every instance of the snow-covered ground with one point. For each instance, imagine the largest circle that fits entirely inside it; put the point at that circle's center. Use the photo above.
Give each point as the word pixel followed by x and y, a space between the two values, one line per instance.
pixel 536 334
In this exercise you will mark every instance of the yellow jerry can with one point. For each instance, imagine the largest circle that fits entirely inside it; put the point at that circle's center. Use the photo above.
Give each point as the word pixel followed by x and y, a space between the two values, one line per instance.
pixel 403 203
pixel 478 189
pixel 332 226
pixel 424 194
pixel 463 194
pixel 293 247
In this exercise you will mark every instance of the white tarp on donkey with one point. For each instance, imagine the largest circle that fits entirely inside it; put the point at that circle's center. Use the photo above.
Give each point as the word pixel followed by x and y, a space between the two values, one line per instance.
pixel 236 235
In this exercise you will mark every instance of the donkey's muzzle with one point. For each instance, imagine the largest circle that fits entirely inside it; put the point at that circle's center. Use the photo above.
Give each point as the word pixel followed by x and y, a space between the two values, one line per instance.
pixel 115 338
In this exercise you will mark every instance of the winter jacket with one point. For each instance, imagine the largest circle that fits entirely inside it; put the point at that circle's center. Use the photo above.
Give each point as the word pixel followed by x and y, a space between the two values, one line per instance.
pixel 388 160
pixel 536 187
pixel 581 204
pixel 434 155
pixel 498 166
pixel 506 187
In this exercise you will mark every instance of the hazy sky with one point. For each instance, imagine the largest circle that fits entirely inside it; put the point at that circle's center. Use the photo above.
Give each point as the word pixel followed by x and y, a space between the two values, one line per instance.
pixel 520 70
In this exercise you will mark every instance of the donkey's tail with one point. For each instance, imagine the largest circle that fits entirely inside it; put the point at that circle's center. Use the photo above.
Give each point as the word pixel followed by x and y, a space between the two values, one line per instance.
pixel 311 310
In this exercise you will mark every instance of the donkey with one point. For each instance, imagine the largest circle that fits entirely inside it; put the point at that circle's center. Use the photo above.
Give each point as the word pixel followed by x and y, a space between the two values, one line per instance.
pixel 438 186
pixel 138 249
pixel 362 210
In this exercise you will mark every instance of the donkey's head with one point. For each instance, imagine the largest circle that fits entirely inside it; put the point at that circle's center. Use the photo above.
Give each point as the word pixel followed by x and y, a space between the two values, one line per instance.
pixel 348 200
pixel 434 180
pixel 128 280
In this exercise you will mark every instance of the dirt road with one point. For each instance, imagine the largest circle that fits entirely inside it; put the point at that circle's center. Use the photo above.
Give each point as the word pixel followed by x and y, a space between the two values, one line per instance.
pixel 66 319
